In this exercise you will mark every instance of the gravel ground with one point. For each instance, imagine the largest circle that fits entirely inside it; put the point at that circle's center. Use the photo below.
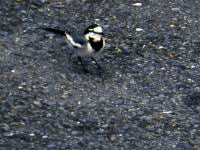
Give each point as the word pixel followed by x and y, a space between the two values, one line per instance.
pixel 148 99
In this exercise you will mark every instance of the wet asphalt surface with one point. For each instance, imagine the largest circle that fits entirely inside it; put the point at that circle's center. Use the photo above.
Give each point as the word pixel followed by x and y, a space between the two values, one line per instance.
pixel 149 97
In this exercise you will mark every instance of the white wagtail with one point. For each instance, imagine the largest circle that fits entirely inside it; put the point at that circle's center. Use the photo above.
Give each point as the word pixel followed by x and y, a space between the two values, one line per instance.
pixel 87 44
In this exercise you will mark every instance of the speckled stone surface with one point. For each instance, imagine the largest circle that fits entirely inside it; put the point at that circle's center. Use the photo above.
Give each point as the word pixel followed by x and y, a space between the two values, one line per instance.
pixel 149 97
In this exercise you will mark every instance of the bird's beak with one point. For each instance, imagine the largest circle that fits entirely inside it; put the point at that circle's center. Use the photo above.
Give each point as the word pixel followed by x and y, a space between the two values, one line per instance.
pixel 105 38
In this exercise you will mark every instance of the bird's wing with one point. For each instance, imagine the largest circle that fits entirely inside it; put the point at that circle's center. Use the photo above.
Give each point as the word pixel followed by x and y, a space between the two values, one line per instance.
pixel 79 38
pixel 74 41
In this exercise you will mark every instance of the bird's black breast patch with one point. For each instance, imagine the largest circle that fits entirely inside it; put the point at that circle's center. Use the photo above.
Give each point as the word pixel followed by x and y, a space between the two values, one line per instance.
pixel 96 45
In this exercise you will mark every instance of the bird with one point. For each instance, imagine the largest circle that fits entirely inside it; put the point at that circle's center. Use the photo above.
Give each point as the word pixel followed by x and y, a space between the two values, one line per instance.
pixel 89 43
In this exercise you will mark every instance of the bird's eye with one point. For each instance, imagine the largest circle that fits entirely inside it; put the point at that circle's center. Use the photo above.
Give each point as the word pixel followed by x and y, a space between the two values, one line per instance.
pixel 91 39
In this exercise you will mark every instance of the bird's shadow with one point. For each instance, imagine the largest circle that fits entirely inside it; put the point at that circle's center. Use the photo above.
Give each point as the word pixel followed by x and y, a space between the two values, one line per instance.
pixel 67 63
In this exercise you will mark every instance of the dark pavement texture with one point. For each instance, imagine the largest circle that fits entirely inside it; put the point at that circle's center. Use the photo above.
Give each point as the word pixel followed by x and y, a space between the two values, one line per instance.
pixel 148 99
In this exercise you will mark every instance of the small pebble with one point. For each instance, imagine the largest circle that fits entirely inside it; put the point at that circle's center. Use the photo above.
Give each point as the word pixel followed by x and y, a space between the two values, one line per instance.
pixel 44 136
pixel 118 102
pixel 32 134
pixel 138 29
pixel 171 26
pixel 137 4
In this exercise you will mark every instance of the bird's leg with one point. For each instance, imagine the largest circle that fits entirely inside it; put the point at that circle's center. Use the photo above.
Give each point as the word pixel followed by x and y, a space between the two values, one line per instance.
pixel 81 61
pixel 97 64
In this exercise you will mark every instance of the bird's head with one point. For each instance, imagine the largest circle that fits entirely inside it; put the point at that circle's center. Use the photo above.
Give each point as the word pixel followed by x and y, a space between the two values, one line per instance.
pixel 94 31
pixel 95 28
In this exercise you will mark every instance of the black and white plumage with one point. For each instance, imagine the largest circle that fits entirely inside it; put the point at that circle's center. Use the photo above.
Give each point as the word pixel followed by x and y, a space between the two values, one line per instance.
pixel 87 44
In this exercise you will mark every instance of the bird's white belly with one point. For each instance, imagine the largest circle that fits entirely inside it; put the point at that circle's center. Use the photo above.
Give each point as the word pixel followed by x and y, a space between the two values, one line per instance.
pixel 86 51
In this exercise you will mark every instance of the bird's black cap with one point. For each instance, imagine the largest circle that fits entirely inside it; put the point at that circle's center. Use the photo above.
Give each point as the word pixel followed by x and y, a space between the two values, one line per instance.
pixel 88 29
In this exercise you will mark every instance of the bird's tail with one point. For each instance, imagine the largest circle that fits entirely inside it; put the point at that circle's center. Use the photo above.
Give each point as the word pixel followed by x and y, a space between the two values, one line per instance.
pixel 56 31
pixel 69 38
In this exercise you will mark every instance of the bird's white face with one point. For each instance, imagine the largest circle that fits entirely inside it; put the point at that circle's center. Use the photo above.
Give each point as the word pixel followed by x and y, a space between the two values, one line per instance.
pixel 97 29
pixel 94 36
